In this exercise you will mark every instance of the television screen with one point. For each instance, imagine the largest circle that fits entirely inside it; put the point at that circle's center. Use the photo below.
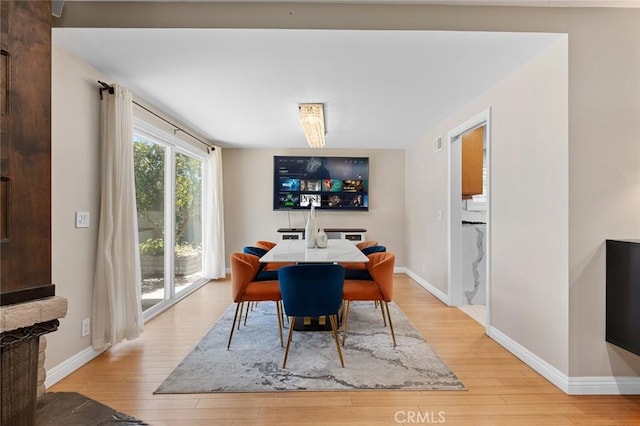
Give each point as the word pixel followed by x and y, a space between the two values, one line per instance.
pixel 329 183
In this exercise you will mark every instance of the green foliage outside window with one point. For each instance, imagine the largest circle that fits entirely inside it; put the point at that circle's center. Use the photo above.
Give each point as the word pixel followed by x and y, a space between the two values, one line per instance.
pixel 149 163
pixel 155 247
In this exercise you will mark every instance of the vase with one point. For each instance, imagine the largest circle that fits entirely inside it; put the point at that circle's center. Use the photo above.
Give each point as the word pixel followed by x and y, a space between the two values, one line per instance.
pixel 321 239
pixel 310 230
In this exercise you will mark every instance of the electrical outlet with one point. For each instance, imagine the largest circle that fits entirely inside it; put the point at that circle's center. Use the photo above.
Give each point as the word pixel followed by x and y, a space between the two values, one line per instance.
pixel 86 327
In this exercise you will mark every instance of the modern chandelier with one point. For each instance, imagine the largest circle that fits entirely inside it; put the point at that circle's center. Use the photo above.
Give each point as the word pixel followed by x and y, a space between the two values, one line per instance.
pixel 312 120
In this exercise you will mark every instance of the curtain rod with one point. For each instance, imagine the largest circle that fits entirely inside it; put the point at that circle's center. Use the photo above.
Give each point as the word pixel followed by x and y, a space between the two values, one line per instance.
pixel 111 91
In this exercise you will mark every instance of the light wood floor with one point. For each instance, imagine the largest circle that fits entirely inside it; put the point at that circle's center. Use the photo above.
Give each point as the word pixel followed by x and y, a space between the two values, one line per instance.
pixel 501 390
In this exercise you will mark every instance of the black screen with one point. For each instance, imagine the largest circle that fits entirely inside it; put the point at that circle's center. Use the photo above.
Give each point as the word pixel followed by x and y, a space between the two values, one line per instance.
pixel 331 183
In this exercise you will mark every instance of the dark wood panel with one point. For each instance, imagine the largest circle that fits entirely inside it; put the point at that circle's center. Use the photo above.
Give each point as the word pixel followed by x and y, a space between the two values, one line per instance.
pixel 27 294
pixel 26 145
pixel 5 209
pixel 5 79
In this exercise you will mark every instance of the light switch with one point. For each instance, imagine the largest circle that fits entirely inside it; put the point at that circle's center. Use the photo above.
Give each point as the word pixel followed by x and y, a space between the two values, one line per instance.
pixel 437 144
pixel 439 214
pixel 82 219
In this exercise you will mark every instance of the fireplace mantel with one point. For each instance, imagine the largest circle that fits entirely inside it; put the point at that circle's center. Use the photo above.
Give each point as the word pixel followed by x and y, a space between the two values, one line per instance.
pixel 34 318
pixel 20 315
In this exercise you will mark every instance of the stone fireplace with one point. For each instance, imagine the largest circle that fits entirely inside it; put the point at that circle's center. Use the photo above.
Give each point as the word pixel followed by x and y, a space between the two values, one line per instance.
pixel 23 327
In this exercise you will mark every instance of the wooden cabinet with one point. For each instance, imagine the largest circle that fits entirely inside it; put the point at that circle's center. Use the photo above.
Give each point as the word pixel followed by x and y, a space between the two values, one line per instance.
pixel 25 151
pixel 472 162
pixel 623 294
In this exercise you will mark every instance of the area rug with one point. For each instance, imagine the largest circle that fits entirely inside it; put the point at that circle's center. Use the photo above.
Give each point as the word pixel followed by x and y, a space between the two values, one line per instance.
pixel 253 364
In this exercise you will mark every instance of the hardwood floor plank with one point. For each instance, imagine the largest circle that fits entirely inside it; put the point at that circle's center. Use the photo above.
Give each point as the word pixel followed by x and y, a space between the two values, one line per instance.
pixel 424 398
pixel 300 402
pixel 517 420
pixel 500 389
pixel 622 419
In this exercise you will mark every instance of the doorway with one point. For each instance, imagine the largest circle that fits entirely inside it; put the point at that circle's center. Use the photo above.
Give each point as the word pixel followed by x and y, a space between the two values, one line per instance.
pixel 469 217
pixel 169 198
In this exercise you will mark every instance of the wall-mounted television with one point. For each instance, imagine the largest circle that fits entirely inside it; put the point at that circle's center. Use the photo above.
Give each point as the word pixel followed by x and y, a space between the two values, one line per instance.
pixel 328 183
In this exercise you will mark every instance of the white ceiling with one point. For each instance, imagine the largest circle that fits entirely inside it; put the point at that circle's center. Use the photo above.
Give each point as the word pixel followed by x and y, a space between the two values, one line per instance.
pixel 241 87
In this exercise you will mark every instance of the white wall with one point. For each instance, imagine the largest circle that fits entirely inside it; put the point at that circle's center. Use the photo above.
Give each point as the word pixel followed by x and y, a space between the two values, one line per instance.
pixel 248 199
pixel 75 186
pixel 604 173
pixel 529 209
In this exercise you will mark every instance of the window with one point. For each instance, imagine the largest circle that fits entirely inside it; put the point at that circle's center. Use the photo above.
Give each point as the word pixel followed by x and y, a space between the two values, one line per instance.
pixel 169 196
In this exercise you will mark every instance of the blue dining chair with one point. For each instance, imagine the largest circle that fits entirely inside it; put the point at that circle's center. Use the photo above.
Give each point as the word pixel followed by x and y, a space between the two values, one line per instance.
pixel 262 274
pixel 373 249
pixel 312 290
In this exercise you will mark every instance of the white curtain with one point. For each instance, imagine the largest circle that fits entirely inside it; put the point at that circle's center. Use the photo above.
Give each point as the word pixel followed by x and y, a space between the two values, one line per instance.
pixel 214 256
pixel 117 312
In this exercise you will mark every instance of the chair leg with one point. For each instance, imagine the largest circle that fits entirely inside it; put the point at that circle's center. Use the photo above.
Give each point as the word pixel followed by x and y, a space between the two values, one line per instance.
pixel 334 326
pixel 384 319
pixel 233 325
pixel 246 315
pixel 393 335
pixel 286 351
pixel 282 315
pixel 345 321
pixel 279 313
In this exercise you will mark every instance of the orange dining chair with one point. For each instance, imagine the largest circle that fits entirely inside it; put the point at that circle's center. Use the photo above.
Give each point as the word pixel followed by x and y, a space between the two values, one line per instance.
pixel 267 245
pixel 359 265
pixel 244 268
pixel 358 270
pixel 379 288
pixel 271 266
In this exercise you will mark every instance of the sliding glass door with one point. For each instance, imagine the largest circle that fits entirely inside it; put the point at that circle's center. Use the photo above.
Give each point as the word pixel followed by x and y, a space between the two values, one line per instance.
pixel 169 183
pixel 150 167
pixel 188 221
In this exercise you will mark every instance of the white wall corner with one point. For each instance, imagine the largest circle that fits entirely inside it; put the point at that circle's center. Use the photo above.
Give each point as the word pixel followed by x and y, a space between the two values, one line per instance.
pixel 541 366
pixel 62 370
pixel 427 286
pixel 605 385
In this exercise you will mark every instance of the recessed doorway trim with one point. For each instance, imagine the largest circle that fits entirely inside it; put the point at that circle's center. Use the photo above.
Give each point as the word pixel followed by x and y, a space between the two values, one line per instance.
pixel 454 255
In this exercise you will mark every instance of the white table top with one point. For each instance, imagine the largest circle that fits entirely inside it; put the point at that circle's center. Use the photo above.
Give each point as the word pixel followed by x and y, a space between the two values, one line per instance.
pixel 295 251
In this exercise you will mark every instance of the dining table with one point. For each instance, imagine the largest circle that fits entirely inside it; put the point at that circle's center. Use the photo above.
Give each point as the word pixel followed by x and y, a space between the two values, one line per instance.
pixel 296 251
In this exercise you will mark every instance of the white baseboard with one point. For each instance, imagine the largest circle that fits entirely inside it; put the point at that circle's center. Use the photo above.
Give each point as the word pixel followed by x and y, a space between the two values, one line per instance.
pixel 611 385
pixel 424 283
pixel 70 365
pixel 545 369
pixel 600 385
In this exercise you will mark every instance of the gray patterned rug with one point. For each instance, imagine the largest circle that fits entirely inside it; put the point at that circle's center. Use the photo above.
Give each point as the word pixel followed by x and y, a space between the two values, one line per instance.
pixel 253 364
